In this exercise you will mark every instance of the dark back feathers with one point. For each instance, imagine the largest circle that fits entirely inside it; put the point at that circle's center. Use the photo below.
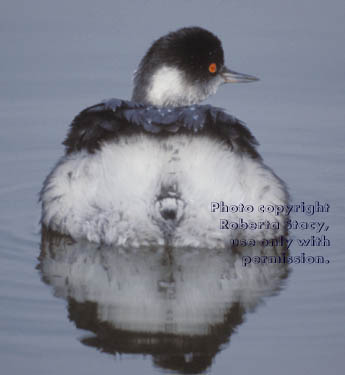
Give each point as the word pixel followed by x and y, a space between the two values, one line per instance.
pixel 114 118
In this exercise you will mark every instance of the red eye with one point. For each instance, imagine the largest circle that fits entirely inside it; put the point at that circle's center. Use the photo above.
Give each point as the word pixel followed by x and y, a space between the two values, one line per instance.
pixel 212 68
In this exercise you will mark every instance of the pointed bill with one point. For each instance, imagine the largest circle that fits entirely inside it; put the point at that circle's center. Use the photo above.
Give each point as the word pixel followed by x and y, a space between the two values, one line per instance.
pixel 231 76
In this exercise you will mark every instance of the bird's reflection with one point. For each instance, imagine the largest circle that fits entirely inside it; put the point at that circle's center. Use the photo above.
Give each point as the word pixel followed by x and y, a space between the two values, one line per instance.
pixel 180 306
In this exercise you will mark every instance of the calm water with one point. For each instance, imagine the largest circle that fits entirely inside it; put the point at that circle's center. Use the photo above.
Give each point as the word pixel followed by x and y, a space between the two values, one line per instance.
pixel 81 310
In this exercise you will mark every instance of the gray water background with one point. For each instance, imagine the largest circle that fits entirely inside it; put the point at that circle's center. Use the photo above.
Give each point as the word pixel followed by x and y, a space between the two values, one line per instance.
pixel 59 57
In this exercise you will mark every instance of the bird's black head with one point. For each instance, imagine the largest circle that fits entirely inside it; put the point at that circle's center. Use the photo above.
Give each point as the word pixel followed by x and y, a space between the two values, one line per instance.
pixel 192 49
pixel 182 68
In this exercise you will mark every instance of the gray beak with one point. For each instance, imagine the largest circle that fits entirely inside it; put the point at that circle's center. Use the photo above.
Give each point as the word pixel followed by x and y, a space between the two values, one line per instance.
pixel 230 76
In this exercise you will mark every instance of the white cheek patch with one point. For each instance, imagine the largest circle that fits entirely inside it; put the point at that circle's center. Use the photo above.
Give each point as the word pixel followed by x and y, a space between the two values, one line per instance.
pixel 166 86
pixel 169 87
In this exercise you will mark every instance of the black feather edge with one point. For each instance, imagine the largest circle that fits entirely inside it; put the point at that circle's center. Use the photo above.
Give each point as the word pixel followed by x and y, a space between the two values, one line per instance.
pixel 113 118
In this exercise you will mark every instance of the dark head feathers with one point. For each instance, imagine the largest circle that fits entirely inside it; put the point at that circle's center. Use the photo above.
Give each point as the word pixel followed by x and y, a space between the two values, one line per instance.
pixel 190 49
pixel 113 118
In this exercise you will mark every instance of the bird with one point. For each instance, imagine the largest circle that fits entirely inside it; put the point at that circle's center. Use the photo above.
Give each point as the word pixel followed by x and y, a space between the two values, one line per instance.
pixel 149 171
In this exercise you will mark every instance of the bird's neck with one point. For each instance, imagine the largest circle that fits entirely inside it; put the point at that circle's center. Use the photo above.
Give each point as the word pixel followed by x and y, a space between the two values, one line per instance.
pixel 167 87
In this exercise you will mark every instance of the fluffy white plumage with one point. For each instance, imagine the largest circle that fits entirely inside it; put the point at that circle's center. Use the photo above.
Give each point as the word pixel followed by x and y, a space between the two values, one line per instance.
pixel 111 196
pixel 147 189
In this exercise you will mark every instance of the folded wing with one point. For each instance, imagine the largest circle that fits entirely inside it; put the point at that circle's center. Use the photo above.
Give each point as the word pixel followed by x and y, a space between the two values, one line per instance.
pixel 115 118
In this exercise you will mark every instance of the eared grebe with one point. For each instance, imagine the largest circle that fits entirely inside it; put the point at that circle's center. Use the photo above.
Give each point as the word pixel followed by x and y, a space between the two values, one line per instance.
pixel 156 170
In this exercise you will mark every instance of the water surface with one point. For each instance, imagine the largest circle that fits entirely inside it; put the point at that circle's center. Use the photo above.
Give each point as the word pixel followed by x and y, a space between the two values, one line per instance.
pixel 58 58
